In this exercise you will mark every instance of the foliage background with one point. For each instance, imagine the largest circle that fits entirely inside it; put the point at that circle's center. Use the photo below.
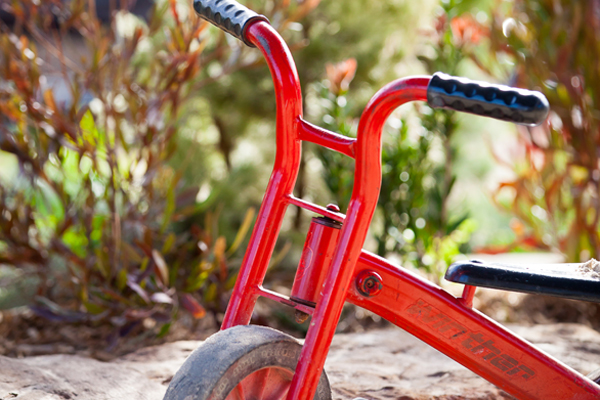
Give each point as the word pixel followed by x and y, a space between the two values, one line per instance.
pixel 135 149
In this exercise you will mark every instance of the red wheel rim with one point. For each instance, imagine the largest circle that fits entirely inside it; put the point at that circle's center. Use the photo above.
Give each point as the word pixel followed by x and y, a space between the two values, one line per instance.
pixel 270 383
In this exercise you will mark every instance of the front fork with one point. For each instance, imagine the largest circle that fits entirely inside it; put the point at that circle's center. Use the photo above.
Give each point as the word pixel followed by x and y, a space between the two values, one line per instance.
pixel 366 150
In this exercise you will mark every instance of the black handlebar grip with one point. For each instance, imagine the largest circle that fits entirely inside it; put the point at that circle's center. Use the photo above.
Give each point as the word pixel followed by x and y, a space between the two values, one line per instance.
pixel 229 15
pixel 520 106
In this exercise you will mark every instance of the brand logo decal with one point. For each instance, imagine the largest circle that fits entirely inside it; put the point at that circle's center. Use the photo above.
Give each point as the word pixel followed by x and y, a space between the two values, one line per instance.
pixel 476 343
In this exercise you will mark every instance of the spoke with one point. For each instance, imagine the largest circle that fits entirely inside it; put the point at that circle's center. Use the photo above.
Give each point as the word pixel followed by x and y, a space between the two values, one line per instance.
pixel 259 383
pixel 240 391
pixel 237 393
pixel 280 391
pixel 264 384
pixel 277 385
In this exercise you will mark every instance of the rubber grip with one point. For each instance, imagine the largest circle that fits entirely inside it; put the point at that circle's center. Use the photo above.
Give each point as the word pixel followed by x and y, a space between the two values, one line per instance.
pixel 229 15
pixel 525 107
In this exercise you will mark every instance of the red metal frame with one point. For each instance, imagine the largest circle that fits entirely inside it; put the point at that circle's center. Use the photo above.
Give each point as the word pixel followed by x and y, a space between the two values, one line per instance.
pixel 445 322
pixel 318 250
pixel 467 336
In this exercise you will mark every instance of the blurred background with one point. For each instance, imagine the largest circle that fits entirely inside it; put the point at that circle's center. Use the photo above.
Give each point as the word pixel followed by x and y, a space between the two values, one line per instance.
pixel 136 142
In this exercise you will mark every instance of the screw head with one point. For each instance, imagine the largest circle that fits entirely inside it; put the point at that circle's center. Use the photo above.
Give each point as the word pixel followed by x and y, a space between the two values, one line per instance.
pixel 369 283
pixel 333 207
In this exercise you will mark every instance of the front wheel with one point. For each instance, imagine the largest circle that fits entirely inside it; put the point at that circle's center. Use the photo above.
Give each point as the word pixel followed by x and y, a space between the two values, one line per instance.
pixel 245 362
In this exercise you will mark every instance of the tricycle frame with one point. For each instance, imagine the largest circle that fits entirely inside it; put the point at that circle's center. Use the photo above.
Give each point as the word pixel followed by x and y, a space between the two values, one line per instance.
pixel 445 322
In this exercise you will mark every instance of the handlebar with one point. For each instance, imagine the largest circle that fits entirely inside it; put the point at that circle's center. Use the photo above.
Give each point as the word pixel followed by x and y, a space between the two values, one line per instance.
pixel 229 15
pixel 501 102
pixel 506 103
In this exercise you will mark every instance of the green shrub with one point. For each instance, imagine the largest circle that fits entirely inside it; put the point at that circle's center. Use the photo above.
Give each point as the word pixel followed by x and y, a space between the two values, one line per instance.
pixel 99 207
pixel 413 212
pixel 552 46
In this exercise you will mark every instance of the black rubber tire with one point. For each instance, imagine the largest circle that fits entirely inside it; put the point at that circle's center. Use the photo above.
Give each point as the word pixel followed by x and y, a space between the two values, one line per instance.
pixel 227 357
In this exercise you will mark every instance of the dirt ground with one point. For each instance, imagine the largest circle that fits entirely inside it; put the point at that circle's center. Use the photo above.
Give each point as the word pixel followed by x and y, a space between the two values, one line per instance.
pixel 379 364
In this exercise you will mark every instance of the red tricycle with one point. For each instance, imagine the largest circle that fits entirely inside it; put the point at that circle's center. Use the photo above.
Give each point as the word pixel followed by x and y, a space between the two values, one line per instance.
pixel 258 363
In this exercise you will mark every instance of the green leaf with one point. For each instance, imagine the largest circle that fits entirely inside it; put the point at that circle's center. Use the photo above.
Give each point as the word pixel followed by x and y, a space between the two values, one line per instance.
pixel 76 241
pixel 89 132
pixel 144 264
pixel 164 330
pixel 170 203
pixel 168 243
pixel 197 283
pixel 93 308
pixel 451 227
pixel 239 237
pixel 231 281
pixel 102 263
pixel 211 293
pixel 122 279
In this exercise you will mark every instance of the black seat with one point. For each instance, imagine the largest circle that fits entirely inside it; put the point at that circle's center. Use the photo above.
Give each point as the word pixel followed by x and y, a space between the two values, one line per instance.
pixel 573 281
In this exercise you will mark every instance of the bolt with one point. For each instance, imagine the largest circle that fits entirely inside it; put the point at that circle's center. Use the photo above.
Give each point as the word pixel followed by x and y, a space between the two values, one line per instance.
pixel 369 283
pixel 333 207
